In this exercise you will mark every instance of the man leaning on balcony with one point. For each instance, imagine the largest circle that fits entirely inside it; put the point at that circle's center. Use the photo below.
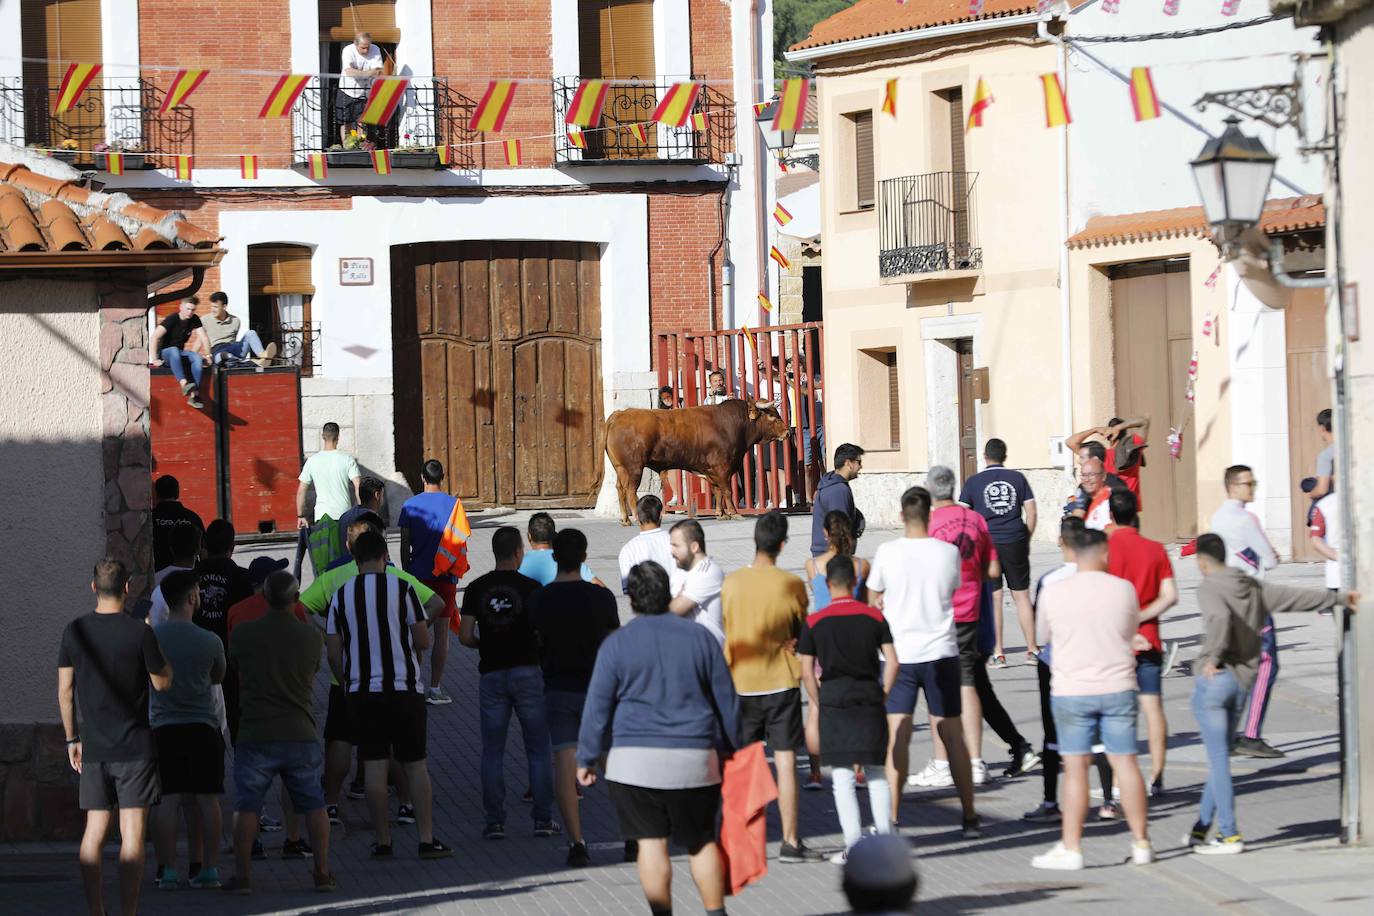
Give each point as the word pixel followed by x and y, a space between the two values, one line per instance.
pixel 179 340
pixel 225 344
pixel 361 62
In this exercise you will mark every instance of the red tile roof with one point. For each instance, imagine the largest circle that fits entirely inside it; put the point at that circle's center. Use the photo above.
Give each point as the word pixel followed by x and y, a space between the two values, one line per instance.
pixel 1287 214
pixel 870 18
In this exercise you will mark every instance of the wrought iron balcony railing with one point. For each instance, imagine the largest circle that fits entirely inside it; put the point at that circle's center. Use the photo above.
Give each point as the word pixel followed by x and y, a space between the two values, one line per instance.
pixel 614 142
pixel 927 224
pixel 300 344
pixel 430 116
pixel 120 113
pixel 12 110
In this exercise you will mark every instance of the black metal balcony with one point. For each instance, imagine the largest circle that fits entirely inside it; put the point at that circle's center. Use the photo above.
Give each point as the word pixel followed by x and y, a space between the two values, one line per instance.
pixel 430 116
pixel 300 344
pixel 927 224
pixel 12 110
pixel 121 114
pixel 613 142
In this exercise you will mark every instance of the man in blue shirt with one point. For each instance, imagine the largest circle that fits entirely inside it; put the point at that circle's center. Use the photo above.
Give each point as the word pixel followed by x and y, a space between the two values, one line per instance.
pixel 1001 496
pixel 422 521
pixel 538 563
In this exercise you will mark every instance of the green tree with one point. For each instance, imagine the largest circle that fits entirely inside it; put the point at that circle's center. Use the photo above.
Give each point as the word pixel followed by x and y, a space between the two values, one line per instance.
pixel 793 19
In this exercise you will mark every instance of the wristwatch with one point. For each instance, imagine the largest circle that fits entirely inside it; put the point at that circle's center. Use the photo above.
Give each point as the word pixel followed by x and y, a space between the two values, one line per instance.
pixel 75 740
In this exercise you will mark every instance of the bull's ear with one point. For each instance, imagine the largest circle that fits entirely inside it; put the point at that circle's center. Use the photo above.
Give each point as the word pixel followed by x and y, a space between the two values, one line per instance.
pixel 753 410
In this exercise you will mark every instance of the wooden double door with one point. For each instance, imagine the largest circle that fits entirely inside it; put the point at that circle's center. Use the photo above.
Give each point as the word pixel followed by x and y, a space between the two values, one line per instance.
pixel 497 369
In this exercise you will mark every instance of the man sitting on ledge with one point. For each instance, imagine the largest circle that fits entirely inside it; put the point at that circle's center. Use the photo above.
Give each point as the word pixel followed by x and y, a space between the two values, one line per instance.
pixel 181 336
pixel 225 344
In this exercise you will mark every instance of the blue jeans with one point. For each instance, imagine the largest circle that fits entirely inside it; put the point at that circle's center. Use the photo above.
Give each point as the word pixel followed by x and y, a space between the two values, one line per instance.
pixel 498 694
pixel 173 357
pixel 300 764
pixel 1217 702
pixel 250 344
pixel 1108 718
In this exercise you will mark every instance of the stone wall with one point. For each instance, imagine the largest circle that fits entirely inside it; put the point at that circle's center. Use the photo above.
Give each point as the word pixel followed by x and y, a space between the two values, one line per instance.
pixel 124 439
pixel 38 787
pixel 878 496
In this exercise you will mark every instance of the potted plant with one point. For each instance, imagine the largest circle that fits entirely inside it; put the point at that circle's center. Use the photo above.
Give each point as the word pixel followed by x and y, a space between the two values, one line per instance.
pixel 354 152
pixel 412 155
pixel 135 154
pixel 66 151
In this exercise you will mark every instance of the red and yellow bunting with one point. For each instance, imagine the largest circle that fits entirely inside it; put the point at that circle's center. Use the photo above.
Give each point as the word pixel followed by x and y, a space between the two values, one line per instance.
pixel 114 163
pixel 185 167
pixel 676 104
pixel 749 332
pixel 283 96
pixel 76 80
pixel 781 215
pixel 495 105
pixel 779 257
pixel 576 139
pixel 381 161
pixel 791 110
pixel 248 168
pixel 982 99
pixel 183 84
pixel 383 99
pixel 764 303
pixel 587 101
pixel 319 166
pixel 701 121
pixel 444 153
pixel 1143 97
pixel 759 107
pixel 890 98
pixel 1056 105
pixel 513 154
pixel 639 132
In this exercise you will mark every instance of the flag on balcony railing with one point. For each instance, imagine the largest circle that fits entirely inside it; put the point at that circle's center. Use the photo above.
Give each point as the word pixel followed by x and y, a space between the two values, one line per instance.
pixel 76 80
pixel 114 163
pixel 283 96
pixel 791 110
pixel 890 98
pixel 1056 105
pixel 444 153
pixel 760 106
pixel 764 303
pixel 701 121
pixel 587 101
pixel 781 215
pixel 1143 97
pixel 183 84
pixel 319 166
pixel 248 168
pixel 982 98
pixel 749 334
pixel 576 139
pixel 779 257
pixel 639 132
pixel 512 150
pixel 495 105
pixel 383 98
pixel 381 161
pixel 677 104
pixel 185 167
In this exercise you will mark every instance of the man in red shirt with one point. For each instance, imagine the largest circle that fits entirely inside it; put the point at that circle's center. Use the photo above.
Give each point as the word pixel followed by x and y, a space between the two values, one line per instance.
pixel 1144 564
pixel 1125 450
pixel 255 607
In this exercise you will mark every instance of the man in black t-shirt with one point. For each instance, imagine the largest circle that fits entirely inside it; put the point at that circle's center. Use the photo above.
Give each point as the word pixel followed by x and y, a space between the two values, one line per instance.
pixel 180 340
pixel 496 623
pixel 571 618
pixel 104 665
pixel 167 515
pixel 223 584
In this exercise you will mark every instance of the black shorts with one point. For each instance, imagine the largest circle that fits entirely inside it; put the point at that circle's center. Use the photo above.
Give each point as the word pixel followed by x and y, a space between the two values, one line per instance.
pixel 966 635
pixel 119 784
pixel 775 718
pixel 390 725
pixel 338 721
pixel 190 759
pixel 686 816
pixel 1014 559
pixel 347 108
pixel 939 680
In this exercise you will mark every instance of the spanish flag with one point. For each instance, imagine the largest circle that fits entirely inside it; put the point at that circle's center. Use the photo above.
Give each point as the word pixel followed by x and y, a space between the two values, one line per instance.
pixel 283 96
pixel 248 168
pixel 77 79
pixel 764 303
pixel 639 133
pixel 982 98
pixel 495 105
pixel 791 110
pixel 512 150
pixel 1143 98
pixel 778 256
pixel 183 84
pixel 576 139
pixel 759 107
pixel 114 163
pixel 444 153
pixel 383 98
pixel 890 98
pixel 381 161
pixel 749 333
pixel 319 166
pixel 781 215
pixel 585 110
pixel 677 104
pixel 1056 105
pixel 701 121
pixel 185 166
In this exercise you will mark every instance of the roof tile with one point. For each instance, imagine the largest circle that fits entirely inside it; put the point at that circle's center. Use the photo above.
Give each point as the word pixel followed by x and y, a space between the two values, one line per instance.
pixel 870 18
pixel 1285 214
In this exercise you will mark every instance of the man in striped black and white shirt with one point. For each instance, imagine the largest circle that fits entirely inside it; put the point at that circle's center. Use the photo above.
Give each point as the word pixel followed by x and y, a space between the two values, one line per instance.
pixel 375 632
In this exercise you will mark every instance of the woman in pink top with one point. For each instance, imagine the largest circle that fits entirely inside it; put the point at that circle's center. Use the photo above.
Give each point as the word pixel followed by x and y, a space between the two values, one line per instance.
pixel 1091 620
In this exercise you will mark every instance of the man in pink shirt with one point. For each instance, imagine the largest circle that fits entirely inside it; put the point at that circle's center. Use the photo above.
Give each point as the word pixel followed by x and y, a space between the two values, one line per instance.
pixel 1091 619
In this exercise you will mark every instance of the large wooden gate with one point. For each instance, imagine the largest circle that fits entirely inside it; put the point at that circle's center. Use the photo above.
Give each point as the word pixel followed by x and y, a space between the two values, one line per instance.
pixel 497 367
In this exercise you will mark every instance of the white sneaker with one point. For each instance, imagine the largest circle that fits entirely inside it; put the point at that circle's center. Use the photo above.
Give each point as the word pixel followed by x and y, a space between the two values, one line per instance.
pixel 1142 853
pixel 1059 858
pixel 932 777
pixel 1221 846
pixel 980 772
pixel 840 858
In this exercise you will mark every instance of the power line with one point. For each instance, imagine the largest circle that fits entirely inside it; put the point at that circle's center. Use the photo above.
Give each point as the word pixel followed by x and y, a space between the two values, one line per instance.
pixel 1185 33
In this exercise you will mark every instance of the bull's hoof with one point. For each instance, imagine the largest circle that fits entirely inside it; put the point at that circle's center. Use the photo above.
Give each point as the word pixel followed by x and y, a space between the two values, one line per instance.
pixel 726 516
pixel 625 523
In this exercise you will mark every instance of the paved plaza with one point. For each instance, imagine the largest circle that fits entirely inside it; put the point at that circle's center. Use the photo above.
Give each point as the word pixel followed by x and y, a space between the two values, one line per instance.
pixel 1288 809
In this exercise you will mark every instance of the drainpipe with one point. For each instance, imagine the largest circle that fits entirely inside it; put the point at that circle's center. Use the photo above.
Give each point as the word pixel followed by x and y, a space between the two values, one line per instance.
pixel 761 193
pixel 190 289
pixel 1065 334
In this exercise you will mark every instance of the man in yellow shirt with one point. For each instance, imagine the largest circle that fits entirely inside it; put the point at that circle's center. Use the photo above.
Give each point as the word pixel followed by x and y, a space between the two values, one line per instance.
pixel 763 609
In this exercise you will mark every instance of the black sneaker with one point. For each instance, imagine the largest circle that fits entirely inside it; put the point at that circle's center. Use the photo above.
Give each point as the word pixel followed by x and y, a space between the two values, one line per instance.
pixel 494 832
pixel 528 797
pixel 381 852
pixel 1043 813
pixel 259 854
pixel 972 828
pixel 1257 747
pixel 547 828
pixel 1157 787
pixel 333 812
pixel 631 850
pixel 297 849
pixel 793 855
pixel 578 857
pixel 435 849
pixel 357 790
pixel 1022 762
pixel 405 814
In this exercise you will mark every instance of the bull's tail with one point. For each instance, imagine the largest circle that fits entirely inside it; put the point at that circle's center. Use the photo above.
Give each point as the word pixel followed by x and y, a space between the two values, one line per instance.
pixel 601 457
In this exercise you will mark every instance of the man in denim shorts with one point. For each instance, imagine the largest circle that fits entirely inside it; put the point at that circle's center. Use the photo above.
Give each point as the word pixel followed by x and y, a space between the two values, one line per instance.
pixel 1091 619
pixel 276 658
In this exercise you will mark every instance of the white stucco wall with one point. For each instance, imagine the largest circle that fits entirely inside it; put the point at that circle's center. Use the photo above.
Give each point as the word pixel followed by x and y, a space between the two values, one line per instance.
pixel 50 448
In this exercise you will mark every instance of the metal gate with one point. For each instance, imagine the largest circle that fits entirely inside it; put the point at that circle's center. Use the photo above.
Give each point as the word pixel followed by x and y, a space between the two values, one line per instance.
pixel 780 365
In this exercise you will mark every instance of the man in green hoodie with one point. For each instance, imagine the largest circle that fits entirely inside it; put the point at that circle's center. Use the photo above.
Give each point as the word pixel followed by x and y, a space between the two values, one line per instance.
pixel 1234 608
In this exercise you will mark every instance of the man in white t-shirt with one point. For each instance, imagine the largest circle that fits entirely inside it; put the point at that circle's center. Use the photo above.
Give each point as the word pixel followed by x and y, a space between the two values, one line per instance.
pixel 652 543
pixel 697 595
pixel 335 477
pixel 1325 532
pixel 913 580
pixel 361 62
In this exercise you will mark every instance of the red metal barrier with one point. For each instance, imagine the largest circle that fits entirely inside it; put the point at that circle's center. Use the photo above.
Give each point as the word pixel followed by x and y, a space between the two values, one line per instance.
pixel 780 365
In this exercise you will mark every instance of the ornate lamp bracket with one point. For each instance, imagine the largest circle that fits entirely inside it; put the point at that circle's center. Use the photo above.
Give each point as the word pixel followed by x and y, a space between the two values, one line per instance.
pixel 1277 106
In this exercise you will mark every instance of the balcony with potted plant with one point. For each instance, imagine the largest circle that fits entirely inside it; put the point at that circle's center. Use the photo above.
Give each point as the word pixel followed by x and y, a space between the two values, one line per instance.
pixel 430 116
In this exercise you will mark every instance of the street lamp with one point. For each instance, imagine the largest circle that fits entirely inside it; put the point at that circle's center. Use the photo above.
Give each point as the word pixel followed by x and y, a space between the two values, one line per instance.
pixel 1232 174
pixel 779 141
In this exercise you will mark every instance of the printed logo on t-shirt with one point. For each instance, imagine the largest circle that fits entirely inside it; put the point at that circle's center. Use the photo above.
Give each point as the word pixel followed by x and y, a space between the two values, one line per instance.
pixel 500 607
pixel 1000 497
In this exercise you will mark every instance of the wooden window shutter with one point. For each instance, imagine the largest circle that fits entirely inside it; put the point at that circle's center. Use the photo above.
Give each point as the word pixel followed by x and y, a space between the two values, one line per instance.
pixel 279 270
pixel 616 38
pixel 63 31
pixel 956 129
pixel 341 20
pixel 863 159
pixel 894 410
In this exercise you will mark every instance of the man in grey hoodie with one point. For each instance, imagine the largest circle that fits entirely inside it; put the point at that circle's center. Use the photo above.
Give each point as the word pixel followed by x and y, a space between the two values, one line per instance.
pixel 833 493
pixel 1234 608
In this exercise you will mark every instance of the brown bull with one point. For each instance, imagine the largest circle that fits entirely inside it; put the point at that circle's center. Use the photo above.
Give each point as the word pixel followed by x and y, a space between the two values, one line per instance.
pixel 710 441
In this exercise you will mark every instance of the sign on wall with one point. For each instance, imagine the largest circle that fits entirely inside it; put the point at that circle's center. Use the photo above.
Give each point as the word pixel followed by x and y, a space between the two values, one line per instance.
pixel 355 271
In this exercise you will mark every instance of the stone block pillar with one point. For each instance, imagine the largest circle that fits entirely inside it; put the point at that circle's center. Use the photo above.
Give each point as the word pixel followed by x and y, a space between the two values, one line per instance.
pixel 127 448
